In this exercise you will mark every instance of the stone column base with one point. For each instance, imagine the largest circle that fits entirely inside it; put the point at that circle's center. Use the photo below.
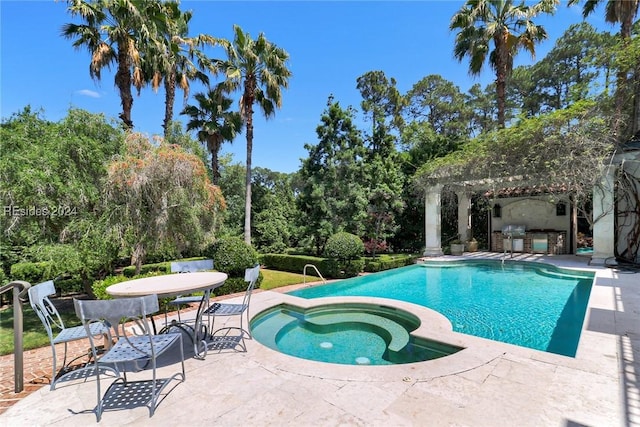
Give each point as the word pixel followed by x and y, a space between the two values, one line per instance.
pixel 436 251
pixel 601 259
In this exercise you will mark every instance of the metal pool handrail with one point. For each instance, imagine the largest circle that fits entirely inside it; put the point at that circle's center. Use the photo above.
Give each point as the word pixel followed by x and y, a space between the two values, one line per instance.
pixel 20 289
pixel 304 273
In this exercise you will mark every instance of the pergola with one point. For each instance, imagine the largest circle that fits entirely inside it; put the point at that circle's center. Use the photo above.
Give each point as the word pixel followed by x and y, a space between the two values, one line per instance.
pixel 564 157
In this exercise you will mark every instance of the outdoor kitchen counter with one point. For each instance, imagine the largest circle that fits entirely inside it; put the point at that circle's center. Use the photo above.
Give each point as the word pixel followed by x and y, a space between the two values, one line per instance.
pixel 556 241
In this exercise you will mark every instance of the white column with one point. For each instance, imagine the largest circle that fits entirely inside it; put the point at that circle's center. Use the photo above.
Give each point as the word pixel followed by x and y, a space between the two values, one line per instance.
pixel 464 220
pixel 432 223
pixel 603 216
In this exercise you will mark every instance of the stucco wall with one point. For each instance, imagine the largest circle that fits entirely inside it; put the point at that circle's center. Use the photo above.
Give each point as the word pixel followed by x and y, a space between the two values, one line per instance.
pixel 533 213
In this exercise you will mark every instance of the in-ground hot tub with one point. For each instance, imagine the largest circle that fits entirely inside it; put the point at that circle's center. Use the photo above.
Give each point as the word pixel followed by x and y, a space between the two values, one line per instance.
pixel 346 333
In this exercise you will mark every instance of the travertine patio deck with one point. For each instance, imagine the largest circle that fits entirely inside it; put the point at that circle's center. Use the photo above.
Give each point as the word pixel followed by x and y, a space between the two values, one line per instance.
pixel 487 384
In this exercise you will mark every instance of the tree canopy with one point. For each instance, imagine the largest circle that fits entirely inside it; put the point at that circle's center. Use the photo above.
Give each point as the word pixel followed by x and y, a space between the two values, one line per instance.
pixel 160 195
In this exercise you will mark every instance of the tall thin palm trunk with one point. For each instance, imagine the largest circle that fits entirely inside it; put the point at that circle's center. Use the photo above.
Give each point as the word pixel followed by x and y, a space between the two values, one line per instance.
pixel 502 54
pixel 247 200
pixel 170 96
pixel 123 82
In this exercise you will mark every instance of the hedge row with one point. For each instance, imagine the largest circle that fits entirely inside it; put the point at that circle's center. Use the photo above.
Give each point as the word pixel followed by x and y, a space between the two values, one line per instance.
pixel 38 272
pixel 375 265
pixel 329 268
pixel 292 263
pixel 162 267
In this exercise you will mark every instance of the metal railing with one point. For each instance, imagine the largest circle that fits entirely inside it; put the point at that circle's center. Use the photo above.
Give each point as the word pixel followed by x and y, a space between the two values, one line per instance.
pixel 20 289
pixel 304 273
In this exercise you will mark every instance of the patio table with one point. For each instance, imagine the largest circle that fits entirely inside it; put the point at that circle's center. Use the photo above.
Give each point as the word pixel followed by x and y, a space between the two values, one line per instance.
pixel 170 285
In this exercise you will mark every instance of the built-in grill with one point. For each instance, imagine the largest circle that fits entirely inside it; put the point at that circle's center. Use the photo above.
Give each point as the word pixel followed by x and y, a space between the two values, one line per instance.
pixel 513 238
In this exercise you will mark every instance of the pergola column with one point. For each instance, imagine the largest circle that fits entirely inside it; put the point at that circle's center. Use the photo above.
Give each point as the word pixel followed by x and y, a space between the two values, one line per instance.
pixel 432 221
pixel 464 215
pixel 603 216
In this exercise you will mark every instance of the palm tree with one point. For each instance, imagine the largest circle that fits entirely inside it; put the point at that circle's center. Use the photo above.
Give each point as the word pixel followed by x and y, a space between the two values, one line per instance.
pixel 623 12
pixel 179 58
pixel 616 11
pixel 112 31
pixel 259 68
pixel 508 26
pixel 214 122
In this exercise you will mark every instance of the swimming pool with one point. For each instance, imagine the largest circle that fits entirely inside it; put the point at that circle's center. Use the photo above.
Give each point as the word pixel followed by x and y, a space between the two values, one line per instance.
pixel 532 305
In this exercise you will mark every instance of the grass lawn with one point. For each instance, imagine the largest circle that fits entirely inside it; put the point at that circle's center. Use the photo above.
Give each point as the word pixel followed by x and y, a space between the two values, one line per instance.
pixel 274 279
pixel 34 335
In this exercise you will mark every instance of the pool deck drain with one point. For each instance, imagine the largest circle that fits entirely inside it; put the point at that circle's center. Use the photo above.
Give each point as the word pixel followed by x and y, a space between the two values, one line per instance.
pixel 500 385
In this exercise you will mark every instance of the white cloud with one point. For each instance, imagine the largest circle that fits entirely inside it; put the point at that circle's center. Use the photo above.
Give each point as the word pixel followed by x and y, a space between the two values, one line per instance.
pixel 87 92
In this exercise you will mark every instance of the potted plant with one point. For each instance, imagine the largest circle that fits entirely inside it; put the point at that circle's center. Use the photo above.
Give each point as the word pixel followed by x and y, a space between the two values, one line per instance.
pixel 457 247
pixel 472 245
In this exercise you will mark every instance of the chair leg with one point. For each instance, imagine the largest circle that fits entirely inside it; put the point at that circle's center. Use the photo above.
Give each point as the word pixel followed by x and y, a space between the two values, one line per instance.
pixel 248 324
pixel 212 323
pixel 99 394
pixel 54 374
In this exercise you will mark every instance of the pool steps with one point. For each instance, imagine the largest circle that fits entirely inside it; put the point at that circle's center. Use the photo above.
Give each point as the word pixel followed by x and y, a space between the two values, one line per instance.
pixel 398 334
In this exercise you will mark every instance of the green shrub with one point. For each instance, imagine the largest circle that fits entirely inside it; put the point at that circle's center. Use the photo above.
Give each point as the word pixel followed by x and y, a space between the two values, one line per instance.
pixel 38 272
pixel 51 261
pixel 382 263
pixel 344 246
pixel 231 255
pixel 33 272
pixel 100 286
pixel 235 285
pixel 341 269
pixel 161 267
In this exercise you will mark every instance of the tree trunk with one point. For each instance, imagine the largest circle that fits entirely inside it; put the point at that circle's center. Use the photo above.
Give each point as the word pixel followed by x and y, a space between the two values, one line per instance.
pixel 123 82
pixel 248 99
pixel 213 143
pixel 501 75
pixel 137 257
pixel 170 96
pixel 247 203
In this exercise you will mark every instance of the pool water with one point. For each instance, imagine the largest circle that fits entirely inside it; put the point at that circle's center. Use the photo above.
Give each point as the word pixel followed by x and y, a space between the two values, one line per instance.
pixel 532 305
pixel 346 333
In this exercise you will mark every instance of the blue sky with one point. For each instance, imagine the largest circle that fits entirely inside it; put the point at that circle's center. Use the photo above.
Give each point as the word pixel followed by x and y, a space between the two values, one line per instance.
pixel 331 44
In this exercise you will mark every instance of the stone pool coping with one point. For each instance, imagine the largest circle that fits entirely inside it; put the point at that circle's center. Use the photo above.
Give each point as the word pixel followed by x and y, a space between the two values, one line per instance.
pixel 476 351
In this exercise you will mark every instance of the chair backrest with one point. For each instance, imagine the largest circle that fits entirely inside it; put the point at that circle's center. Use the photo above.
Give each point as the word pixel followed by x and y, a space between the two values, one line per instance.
pixel 116 312
pixel 191 266
pixel 116 315
pixel 251 275
pixel 44 308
